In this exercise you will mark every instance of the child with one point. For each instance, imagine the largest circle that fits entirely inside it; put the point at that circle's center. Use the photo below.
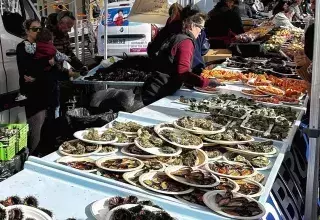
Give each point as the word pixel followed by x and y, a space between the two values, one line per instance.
pixel 45 49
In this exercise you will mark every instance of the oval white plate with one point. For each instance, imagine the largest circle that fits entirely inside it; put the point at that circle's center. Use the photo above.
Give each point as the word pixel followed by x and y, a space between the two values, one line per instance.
pixel 126 152
pixel 176 144
pixel 210 197
pixel 77 155
pixel 205 91
pixel 148 176
pixel 226 155
pixel 101 160
pixel 229 176
pixel 79 135
pixel 31 212
pixel 182 180
pixel 247 94
pixel 107 153
pixel 69 159
pixel 199 130
pixel 271 154
pixel 227 142
pixel 255 183
pixel 156 150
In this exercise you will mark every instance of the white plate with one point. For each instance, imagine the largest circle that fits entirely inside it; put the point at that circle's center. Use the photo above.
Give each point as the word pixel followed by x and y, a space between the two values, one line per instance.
pixel 202 159
pixel 79 135
pixel 78 155
pixel 107 153
pixel 156 150
pixel 269 93
pixel 210 197
pixel 69 159
pixel 247 94
pixel 101 160
pixel 227 142
pixel 150 175
pixel 236 188
pixel 122 144
pixel 248 157
pixel 205 91
pixel 126 152
pixel 99 209
pixel 269 103
pixel 271 154
pixel 229 176
pixel 176 144
pixel 197 130
pixel 182 180
pixel 255 183
pixel 127 176
pixel 31 212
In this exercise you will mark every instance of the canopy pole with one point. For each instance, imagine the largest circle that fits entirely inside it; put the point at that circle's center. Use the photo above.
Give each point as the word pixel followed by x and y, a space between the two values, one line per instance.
pixel 76 39
pixel 106 29
pixel 312 192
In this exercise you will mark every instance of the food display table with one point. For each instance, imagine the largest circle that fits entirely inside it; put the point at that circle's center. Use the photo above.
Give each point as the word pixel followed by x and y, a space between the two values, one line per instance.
pixel 70 196
pixel 168 110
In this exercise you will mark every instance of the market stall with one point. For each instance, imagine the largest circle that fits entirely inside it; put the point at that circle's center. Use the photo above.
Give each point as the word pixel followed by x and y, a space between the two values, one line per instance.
pixel 181 150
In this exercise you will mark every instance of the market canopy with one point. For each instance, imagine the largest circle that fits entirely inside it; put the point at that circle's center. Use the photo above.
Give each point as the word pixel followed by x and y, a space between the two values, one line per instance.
pixel 150 11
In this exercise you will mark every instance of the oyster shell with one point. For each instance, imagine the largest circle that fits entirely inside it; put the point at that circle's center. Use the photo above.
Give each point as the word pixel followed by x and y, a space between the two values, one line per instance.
pixel 127 126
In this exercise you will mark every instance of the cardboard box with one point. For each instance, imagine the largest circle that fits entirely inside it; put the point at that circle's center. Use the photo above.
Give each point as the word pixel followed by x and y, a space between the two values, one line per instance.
pixel 216 54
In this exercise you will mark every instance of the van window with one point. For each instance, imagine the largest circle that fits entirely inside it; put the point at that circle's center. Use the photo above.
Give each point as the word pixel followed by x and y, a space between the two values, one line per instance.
pixel 14 13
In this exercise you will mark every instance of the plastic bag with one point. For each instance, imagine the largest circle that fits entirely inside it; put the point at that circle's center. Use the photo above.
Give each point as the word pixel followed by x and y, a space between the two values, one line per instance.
pixel 81 118
pixel 113 99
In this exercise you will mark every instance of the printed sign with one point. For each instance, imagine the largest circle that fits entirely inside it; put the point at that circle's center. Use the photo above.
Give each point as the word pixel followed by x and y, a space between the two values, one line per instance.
pixel 118 16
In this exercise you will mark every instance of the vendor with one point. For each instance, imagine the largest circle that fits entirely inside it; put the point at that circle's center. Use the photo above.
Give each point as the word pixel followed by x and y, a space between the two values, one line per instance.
pixel 174 26
pixel 174 62
pixel 223 24
pixel 282 15
pixel 243 9
pixel 298 15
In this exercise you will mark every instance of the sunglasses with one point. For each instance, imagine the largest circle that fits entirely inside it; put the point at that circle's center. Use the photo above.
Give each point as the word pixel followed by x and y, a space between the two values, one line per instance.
pixel 35 29
pixel 199 26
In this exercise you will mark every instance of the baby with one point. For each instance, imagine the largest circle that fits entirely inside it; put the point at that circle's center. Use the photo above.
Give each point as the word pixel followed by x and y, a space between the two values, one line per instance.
pixel 45 49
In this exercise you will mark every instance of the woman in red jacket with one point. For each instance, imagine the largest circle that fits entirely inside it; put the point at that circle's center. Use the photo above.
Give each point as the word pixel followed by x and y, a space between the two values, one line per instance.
pixel 174 61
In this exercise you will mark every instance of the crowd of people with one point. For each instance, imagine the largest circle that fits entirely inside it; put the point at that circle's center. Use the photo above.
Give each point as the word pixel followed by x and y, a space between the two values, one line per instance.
pixel 176 53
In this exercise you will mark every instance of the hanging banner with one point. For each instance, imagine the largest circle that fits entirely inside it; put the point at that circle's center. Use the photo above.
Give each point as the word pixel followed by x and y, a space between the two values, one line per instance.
pixel 150 11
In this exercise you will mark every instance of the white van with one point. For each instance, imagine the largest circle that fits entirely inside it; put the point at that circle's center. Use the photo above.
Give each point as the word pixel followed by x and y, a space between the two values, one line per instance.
pixel 124 37
pixel 11 32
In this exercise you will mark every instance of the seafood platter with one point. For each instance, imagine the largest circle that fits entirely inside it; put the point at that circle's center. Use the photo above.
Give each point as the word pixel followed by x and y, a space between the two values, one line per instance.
pixel 185 159
pixel 252 117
